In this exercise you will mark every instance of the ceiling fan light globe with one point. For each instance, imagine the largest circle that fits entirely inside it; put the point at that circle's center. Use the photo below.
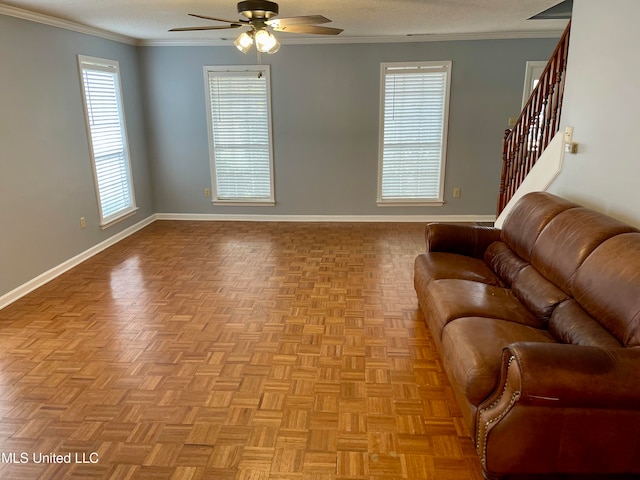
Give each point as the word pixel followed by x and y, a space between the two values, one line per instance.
pixel 244 42
pixel 265 41
pixel 276 46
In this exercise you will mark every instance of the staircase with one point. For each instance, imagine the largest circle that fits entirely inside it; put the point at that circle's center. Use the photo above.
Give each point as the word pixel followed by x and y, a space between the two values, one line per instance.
pixel 536 125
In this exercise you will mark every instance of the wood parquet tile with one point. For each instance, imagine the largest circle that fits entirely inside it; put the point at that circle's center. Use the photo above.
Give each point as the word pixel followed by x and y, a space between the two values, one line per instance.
pixel 231 350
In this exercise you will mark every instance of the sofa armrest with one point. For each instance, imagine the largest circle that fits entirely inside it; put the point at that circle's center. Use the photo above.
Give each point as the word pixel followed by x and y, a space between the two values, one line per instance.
pixel 578 376
pixel 463 239
pixel 555 397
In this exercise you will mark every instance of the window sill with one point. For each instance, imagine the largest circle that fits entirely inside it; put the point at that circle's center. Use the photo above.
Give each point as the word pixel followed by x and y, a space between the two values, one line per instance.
pixel 242 203
pixel 124 215
pixel 415 203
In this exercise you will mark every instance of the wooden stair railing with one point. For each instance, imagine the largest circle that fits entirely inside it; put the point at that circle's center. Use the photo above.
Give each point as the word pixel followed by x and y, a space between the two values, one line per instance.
pixel 536 126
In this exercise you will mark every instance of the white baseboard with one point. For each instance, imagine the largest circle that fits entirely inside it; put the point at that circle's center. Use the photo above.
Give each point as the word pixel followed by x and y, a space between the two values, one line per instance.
pixel 49 275
pixel 205 217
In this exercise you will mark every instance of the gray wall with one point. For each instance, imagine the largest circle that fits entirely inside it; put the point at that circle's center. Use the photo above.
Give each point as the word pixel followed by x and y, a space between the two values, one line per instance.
pixel 325 101
pixel 325 107
pixel 46 181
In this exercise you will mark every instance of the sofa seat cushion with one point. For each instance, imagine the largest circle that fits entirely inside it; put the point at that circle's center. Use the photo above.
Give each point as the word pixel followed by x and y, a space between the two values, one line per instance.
pixel 472 351
pixel 448 299
pixel 439 265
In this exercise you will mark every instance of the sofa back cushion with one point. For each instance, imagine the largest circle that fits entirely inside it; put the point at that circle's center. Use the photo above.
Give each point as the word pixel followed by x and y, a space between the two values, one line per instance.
pixel 536 293
pixel 607 287
pixel 528 218
pixel 568 239
pixel 504 262
pixel 571 324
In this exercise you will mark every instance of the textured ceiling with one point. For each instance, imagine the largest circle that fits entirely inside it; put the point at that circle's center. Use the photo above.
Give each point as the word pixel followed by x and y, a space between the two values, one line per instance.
pixel 150 20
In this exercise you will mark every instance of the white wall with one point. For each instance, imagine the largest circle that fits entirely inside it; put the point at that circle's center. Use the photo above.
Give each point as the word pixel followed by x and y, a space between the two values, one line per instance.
pixel 542 175
pixel 602 103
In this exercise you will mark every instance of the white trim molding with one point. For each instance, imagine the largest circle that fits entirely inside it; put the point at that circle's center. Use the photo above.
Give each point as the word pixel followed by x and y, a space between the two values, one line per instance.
pixel 532 72
pixel 49 275
pixel 55 272
pixel 206 217
pixel 66 24
pixel 301 40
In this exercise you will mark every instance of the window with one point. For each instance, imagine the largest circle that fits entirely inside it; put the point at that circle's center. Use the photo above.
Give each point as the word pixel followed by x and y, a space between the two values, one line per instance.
pixel 108 147
pixel 239 119
pixel 532 73
pixel 413 132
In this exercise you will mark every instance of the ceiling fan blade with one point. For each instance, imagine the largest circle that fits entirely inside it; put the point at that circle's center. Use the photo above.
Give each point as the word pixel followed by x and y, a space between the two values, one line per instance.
pixel 215 19
pixel 309 29
pixel 190 29
pixel 304 20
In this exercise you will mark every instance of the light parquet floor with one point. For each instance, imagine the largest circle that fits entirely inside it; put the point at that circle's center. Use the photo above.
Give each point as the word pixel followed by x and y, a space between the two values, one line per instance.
pixel 222 350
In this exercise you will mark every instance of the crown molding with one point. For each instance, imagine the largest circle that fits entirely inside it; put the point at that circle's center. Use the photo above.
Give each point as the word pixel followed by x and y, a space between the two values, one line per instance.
pixel 284 39
pixel 66 24
pixel 444 37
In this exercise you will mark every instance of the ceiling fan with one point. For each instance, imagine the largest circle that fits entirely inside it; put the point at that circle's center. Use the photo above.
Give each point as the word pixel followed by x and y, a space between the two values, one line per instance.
pixel 260 18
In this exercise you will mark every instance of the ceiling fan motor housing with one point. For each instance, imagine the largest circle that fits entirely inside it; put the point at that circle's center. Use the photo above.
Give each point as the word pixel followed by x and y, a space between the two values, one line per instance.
pixel 258 9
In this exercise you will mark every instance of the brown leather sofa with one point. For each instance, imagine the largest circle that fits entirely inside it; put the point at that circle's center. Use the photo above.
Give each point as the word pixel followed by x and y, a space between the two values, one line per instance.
pixel 538 328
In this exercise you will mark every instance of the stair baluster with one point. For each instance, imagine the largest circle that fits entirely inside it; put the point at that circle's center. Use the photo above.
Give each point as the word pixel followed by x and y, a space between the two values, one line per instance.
pixel 537 124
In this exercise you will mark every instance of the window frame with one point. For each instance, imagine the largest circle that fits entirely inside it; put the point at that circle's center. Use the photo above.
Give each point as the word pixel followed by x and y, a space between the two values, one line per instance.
pixel 264 70
pixel 532 71
pixel 532 74
pixel 440 66
pixel 93 63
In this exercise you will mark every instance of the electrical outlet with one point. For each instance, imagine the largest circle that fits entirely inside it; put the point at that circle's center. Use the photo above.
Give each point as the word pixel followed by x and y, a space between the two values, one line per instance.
pixel 83 223
pixel 568 135
pixel 207 192
pixel 457 192
pixel 571 148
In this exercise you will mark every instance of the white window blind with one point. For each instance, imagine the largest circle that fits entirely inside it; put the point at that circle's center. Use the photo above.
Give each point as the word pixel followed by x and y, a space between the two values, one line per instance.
pixel 240 134
pixel 107 135
pixel 414 121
